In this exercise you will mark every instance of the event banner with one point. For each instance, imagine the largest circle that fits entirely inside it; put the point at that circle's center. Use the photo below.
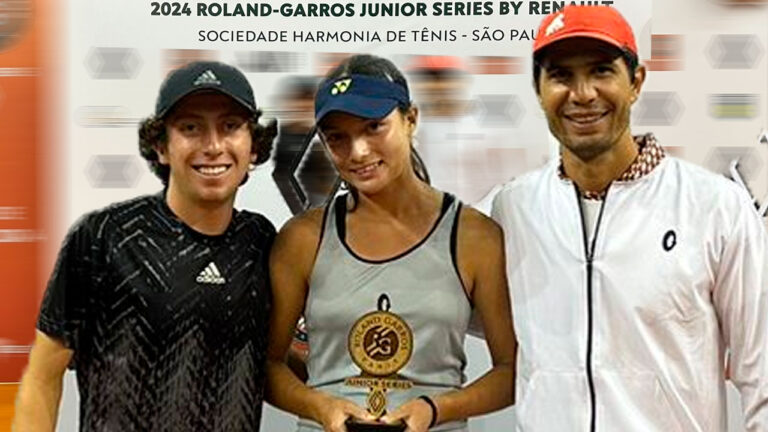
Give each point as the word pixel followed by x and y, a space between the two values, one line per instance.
pixel 479 128
pixel 69 134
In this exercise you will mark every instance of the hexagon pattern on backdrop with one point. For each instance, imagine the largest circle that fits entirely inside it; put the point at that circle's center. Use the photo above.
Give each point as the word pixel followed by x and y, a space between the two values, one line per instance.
pixel 496 109
pixel 113 63
pixel 658 109
pixel 734 51
pixel 113 171
pixel 720 159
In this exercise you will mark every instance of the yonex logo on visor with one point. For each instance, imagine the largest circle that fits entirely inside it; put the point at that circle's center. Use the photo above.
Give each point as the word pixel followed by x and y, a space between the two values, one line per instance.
pixel 341 86
pixel 360 95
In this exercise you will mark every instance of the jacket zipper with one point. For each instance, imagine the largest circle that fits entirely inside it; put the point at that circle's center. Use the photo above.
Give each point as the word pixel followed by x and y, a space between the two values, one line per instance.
pixel 589 254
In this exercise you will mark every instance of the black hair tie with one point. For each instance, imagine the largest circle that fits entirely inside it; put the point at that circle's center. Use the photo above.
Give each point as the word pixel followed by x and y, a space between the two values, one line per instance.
pixel 432 405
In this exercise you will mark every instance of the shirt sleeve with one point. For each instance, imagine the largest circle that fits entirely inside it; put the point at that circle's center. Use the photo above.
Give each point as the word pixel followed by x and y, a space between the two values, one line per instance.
pixel 741 300
pixel 63 308
pixel 497 214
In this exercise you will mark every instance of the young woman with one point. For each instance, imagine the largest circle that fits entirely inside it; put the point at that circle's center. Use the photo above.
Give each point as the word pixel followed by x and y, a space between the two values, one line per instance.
pixel 392 243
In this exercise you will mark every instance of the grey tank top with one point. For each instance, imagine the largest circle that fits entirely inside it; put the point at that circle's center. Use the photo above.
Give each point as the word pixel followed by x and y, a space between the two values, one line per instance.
pixel 424 289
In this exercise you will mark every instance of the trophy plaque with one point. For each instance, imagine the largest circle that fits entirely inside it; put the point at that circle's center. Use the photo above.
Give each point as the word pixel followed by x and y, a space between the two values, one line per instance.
pixel 380 344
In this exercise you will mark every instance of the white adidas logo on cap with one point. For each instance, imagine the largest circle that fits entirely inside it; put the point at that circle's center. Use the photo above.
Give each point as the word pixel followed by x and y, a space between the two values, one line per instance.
pixel 207 77
pixel 210 275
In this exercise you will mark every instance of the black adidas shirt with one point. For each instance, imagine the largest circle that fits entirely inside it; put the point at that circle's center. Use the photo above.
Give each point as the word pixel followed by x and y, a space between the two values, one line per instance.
pixel 168 326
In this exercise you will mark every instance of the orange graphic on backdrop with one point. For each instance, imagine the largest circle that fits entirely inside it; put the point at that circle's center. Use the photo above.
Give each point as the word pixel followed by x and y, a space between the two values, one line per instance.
pixel 21 38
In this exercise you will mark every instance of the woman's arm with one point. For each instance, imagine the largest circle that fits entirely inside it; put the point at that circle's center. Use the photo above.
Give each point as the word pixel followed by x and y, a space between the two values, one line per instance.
pixel 481 262
pixel 291 262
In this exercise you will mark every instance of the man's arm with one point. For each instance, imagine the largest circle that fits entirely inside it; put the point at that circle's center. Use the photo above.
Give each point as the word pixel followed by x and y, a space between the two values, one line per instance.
pixel 60 323
pixel 37 403
pixel 741 300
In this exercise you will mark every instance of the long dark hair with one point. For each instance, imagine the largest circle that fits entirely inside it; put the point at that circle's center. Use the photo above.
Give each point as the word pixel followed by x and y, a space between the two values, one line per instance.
pixel 381 68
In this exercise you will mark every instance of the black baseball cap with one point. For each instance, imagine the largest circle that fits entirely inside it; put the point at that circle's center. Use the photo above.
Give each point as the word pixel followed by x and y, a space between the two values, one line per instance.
pixel 204 75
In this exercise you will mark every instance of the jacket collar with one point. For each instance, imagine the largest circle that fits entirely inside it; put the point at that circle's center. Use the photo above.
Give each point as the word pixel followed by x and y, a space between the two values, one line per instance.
pixel 649 156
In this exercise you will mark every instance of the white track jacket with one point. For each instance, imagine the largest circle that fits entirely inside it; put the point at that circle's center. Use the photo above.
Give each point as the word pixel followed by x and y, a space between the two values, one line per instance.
pixel 628 331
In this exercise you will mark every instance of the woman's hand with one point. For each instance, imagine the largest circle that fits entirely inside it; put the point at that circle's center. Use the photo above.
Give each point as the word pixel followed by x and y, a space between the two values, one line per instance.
pixel 416 413
pixel 332 412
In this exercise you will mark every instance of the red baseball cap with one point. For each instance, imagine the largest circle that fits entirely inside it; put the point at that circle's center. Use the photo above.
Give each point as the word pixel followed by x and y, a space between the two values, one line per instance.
pixel 598 22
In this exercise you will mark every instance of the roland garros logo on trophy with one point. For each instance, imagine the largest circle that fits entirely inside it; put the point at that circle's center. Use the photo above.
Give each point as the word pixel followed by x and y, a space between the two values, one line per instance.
pixel 380 343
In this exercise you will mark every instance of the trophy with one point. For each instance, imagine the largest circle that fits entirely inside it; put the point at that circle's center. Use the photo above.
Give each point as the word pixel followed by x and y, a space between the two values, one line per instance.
pixel 380 343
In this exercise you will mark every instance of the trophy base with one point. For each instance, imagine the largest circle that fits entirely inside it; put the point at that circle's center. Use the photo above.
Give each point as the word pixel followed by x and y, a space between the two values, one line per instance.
pixel 355 426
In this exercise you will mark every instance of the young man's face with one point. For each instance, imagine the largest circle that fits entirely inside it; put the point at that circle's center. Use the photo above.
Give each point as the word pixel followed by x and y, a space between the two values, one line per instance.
pixel 208 149
pixel 586 93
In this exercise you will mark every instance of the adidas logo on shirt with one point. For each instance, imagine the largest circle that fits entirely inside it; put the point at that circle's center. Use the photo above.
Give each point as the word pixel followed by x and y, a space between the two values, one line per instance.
pixel 210 275
pixel 207 77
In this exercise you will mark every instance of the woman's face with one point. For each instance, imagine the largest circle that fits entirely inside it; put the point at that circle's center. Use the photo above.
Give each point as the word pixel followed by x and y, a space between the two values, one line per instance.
pixel 370 154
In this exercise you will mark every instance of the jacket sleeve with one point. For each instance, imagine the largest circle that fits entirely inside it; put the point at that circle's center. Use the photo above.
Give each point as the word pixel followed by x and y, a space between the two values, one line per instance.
pixel 741 301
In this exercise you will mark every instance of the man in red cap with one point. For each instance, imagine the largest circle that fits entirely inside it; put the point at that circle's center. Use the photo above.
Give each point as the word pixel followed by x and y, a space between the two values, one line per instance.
pixel 160 303
pixel 632 273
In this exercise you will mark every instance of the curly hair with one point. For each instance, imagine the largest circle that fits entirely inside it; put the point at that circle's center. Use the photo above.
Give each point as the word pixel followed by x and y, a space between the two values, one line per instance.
pixel 152 134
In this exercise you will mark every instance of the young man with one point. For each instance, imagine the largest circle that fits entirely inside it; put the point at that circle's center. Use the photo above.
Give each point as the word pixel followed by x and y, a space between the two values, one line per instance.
pixel 161 303
pixel 632 273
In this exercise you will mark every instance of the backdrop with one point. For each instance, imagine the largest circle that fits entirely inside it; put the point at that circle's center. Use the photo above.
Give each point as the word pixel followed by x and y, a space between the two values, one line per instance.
pixel 77 76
